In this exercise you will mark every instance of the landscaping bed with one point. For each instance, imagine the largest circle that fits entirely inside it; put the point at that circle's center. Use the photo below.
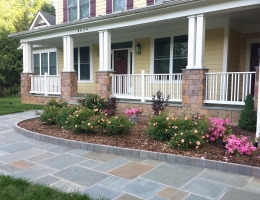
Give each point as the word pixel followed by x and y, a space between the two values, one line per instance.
pixel 139 139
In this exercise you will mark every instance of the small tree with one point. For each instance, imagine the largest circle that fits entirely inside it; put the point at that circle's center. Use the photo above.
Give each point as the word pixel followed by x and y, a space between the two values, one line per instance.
pixel 247 120
pixel 159 102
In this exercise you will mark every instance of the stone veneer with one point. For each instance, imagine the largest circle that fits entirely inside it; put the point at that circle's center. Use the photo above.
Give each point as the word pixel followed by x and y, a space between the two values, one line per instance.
pixel 25 86
pixel 104 84
pixel 69 85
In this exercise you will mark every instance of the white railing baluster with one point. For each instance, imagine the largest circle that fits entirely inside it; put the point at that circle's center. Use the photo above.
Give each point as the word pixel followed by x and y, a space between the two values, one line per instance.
pixel 233 92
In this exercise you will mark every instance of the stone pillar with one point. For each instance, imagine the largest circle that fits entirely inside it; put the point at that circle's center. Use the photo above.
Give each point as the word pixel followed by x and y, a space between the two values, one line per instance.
pixel 25 86
pixel 256 86
pixel 193 89
pixel 69 85
pixel 104 83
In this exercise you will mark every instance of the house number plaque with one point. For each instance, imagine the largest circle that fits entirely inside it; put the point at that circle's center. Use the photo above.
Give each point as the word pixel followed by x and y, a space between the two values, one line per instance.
pixel 81 30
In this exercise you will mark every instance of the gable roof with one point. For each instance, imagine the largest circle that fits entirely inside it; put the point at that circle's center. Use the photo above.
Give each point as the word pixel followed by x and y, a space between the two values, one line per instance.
pixel 43 19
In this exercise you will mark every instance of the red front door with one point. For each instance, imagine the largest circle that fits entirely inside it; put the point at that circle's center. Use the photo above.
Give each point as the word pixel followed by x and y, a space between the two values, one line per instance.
pixel 120 67
pixel 120 61
pixel 254 62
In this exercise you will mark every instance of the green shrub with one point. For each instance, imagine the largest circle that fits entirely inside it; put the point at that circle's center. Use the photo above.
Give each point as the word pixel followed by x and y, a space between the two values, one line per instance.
pixel 191 135
pixel 118 125
pixel 92 102
pixel 49 114
pixel 75 121
pixel 58 104
pixel 160 127
pixel 248 117
pixel 95 123
pixel 64 114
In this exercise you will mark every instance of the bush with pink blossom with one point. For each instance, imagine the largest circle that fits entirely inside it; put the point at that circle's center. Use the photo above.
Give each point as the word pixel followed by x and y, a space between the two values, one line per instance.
pixel 133 111
pixel 239 145
pixel 217 128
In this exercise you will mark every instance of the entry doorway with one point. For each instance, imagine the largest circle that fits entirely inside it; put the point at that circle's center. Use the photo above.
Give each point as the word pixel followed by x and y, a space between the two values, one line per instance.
pixel 120 61
pixel 254 62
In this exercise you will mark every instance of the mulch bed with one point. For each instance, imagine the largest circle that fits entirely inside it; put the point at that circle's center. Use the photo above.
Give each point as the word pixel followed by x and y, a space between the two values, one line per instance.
pixel 138 139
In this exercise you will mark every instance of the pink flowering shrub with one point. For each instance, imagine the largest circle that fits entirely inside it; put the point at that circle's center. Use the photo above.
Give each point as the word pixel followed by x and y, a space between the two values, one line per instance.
pixel 133 111
pixel 217 128
pixel 239 145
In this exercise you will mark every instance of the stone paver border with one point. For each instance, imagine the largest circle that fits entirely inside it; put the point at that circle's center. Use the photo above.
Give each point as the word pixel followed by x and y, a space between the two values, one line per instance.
pixel 171 158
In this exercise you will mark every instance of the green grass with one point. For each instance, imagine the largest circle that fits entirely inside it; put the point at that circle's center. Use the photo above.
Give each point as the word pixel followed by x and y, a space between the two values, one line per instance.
pixel 10 105
pixel 22 189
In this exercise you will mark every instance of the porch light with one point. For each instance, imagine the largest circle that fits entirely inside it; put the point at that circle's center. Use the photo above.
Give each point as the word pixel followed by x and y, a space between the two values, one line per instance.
pixel 138 48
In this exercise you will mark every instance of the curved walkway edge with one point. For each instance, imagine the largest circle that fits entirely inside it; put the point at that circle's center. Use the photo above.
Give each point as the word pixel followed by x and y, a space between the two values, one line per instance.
pixel 171 158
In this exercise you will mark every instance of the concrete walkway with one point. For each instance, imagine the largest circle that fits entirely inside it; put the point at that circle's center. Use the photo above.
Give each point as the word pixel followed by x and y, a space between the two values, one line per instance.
pixel 114 176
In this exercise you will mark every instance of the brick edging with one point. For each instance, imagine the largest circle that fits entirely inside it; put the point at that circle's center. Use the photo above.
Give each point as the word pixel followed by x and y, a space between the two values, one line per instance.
pixel 171 158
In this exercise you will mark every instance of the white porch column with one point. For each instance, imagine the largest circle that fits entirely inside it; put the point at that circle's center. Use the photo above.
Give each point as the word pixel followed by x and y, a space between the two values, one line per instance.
pixel 200 41
pixel 68 54
pixel 107 51
pixel 27 58
pixel 101 50
pixel 191 42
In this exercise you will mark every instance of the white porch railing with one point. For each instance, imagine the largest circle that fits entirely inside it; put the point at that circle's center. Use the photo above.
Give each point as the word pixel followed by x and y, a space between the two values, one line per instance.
pixel 46 84
pixel 228 87
pixel 143 86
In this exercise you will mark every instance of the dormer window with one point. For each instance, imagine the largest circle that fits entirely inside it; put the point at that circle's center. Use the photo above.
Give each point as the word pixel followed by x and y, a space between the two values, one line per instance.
pixel 78 9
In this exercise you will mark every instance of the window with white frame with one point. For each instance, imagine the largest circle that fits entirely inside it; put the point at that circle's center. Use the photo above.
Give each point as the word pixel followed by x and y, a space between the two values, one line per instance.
pixel 166 62
pixel 119 5
pixel 82 63
pixel 45 62
pixel 157 1
pixel 78 9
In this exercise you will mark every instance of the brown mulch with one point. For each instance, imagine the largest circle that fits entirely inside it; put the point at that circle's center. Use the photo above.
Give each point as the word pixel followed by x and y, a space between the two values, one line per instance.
pixel 138 139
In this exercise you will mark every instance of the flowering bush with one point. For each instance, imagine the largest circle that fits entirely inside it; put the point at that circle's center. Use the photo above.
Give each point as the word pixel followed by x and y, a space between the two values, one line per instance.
pixel 217 128
pixel 190 132
pixel 133 111
pixel 64 113
pixel 93 102
pixel 239 145
pixel 118 125
pixel 49 114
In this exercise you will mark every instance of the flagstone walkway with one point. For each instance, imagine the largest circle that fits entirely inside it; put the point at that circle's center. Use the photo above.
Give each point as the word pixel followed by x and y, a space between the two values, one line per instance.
pixel 114 176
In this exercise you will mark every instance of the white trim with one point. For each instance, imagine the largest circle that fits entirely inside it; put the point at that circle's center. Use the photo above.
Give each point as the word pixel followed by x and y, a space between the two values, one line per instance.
pixel 226 47
pixel 35 19
pixel 248 51
pixel 43 50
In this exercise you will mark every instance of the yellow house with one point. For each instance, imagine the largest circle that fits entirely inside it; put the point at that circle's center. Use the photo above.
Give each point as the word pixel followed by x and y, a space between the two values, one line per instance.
pixel 200 52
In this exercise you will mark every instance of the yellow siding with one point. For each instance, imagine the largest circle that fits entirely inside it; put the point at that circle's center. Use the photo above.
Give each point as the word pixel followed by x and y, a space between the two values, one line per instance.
pixel 59 12
pixel 100 7
pixel 90 87
pixel 233 51
pixel 243 48
pixel 139 3
pixel 60 60
pixel 214 46
pixel 142 61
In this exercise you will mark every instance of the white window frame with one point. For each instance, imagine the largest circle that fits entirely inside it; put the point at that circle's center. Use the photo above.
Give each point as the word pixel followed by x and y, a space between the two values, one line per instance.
pixel 78 10
pixel 158 36
pixel 48 51
pixel 117 10
pixel 155 1
pixel 90 64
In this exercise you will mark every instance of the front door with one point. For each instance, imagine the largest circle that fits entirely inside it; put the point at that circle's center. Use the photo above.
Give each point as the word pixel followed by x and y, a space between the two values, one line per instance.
pixel 120 67
pixel 254 62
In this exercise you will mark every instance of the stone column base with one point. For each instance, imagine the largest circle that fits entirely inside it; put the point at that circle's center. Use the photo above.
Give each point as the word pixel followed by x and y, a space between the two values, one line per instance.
pixel 69 85
pixel 193 89
pixel 104 84
pixel 25 86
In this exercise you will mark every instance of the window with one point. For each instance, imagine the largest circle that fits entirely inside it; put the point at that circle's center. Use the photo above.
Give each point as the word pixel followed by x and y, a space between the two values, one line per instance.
pixel 164 61
pixel 78 9
pixel 118 5
pixel 157 1
pixel 82 63
pixel 45 62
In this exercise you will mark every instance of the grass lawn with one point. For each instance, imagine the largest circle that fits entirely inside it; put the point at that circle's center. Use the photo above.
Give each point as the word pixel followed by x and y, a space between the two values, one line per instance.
pixel 21 189
pixel 10 105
